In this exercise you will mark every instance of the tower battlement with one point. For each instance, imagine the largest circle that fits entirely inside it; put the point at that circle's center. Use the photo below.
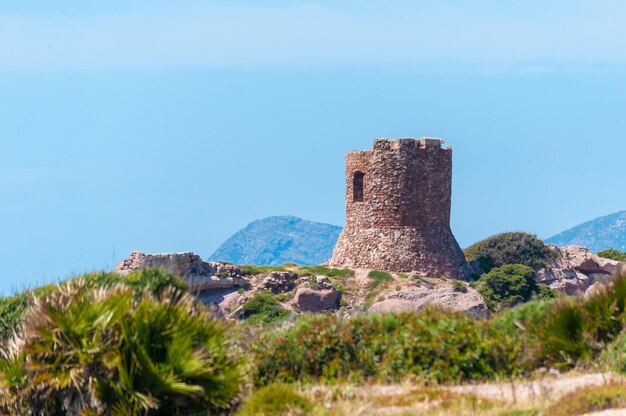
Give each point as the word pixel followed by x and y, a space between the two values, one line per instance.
pixel 398 197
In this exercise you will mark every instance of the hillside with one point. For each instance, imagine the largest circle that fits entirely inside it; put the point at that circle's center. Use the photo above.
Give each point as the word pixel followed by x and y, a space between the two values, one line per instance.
pixel 278 240
pixel 598 234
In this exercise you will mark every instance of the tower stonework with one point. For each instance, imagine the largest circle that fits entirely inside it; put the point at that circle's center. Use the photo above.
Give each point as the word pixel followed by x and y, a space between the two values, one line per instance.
pixel 398 210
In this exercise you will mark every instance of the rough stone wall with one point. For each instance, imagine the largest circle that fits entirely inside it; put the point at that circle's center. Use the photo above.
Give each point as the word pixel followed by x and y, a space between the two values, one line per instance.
pixel 403 221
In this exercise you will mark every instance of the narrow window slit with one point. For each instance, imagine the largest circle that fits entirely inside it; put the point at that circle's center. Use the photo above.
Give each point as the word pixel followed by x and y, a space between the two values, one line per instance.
pixel 357 186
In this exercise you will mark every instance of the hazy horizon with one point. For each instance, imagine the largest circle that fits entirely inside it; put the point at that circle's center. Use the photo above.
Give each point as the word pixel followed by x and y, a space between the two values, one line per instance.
pixel 170 126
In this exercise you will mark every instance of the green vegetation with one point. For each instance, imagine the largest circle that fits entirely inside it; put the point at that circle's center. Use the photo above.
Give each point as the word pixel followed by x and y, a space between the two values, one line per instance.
pixel 590 399
pixel 613 255
pixel 276 399
pixel 153 281
pixel 436 345
pixel 107 344
pixel 378 278
pixel 445 346
pixel 510 285
pixel 11 312
pixel 458 286
pixel 109 351
pixel 252 270
pixel 325 271
pixel 263 308
pixel 510 248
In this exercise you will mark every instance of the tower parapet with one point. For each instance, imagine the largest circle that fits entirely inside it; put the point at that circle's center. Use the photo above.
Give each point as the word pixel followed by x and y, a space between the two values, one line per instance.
pixel 398 197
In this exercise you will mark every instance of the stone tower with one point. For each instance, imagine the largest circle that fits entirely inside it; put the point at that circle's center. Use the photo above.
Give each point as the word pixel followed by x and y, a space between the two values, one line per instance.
pixel 398 210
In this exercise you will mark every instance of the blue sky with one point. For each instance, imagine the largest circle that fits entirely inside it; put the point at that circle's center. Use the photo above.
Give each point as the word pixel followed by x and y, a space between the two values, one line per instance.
pixel 167 126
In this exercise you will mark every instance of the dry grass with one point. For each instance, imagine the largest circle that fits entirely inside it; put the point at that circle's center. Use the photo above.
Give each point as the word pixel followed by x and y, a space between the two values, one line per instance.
pixel 522 398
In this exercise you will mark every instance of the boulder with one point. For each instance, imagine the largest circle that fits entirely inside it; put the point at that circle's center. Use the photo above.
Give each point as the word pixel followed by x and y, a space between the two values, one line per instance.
pixel 443 294
pixel 316 300
pixel 576 269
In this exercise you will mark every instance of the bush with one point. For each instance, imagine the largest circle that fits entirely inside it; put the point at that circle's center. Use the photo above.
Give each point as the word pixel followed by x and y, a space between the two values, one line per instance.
pixel 507 286
pixel 510 248
pixel 105 351
pixel 11 312
pixel 436 345
pixel 154 281
pixel 276 399
pixel 263 308
pixel 575 330
pixel 615 354
pixel 590 399
pixel 613 254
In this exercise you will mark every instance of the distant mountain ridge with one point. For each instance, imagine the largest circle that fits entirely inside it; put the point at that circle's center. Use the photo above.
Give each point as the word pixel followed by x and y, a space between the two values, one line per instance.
pixel 274 241
pixel 598 234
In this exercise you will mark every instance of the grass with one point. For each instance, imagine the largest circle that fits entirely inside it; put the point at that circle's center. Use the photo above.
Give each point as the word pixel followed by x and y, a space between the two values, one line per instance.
pixel 410 398
pixel 378 277
pixel 458 286
pixel 253 270
pixel 590 399
pixel 276 400
pixel 325 271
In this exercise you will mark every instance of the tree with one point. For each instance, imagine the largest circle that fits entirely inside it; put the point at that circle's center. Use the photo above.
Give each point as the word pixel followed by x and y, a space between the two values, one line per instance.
pixel 509 285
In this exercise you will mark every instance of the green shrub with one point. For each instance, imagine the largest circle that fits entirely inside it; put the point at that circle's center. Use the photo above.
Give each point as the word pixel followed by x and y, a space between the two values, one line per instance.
pixel 325 271
pixel 562 336
pixel 378 277
pixel 154 281
pixel 507 286
pixel 263 308
pixel 105 351
pixel 276 400
pixel 590 399
pixel 339 287
pixel 434 344
pixel 576 331
pixel 11 312
pixel 614 356
pixel 525 317
pixel 458 286
pixel 613 254
pixel 510 248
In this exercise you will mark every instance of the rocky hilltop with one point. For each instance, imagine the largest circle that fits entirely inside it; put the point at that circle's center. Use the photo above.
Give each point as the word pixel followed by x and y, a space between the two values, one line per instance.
pixel 278 240
pixel 309 289
pixel 598 234
pixel 573 270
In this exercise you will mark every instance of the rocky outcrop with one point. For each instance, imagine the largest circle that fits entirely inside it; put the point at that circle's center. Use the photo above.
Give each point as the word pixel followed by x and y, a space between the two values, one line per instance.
pixel 443 293
pixel 279 282
pixel 200 275
pixel 576 269
pixel 316 300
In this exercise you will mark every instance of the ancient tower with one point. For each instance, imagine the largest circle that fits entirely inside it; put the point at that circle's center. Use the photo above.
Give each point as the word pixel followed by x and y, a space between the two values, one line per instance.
pixel 398 210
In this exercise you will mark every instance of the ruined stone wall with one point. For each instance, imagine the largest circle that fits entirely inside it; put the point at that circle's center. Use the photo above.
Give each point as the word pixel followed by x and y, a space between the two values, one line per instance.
pixel 401 219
